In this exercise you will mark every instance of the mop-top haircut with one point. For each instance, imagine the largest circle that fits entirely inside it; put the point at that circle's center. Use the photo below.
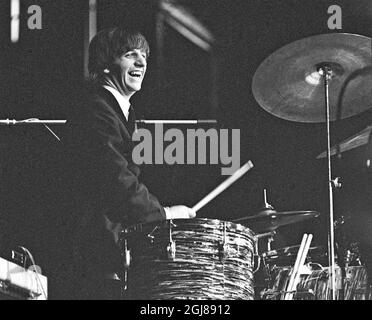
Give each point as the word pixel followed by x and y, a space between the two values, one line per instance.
pixel 111 43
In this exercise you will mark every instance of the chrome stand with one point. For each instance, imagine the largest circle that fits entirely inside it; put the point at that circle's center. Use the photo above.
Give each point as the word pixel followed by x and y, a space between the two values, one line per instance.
pixel 326 72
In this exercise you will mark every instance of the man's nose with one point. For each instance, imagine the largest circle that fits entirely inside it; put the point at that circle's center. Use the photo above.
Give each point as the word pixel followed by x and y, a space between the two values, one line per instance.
pixel 140 62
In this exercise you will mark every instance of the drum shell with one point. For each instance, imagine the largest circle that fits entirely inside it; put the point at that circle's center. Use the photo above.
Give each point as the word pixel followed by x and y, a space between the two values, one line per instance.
pixel 189 259
pixel 316 285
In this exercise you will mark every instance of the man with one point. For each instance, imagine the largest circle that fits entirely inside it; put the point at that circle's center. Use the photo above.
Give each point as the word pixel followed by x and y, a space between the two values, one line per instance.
pixel 105 193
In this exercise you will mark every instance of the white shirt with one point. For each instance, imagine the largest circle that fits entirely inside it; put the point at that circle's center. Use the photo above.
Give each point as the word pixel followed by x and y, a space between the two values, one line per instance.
pixel 123 103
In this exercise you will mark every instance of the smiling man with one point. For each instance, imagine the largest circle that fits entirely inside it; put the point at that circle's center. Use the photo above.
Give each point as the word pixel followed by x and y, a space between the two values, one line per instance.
pixel 104 191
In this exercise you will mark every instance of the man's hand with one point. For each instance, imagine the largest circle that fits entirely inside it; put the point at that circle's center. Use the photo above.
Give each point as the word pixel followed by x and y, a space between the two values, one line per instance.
pixel 179 212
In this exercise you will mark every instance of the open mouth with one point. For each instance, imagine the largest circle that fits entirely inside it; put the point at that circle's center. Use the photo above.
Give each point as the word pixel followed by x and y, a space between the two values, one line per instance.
pixel 135 74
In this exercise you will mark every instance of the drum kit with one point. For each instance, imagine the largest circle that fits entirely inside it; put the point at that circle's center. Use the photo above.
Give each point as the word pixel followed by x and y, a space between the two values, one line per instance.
pixel 321 78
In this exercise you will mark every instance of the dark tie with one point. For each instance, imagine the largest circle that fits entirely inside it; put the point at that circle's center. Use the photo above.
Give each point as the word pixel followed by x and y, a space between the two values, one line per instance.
pixel 131 120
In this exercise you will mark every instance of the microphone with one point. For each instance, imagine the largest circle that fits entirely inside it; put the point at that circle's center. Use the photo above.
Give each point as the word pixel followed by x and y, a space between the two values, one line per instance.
pixel 31 121
pixel 8 122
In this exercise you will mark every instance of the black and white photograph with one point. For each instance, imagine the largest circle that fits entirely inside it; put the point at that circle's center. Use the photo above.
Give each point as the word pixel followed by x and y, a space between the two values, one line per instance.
pixel 193 150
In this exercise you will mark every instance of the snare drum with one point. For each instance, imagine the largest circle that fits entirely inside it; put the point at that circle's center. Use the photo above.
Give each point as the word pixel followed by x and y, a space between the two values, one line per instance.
pixel 188 259
pixel 315 284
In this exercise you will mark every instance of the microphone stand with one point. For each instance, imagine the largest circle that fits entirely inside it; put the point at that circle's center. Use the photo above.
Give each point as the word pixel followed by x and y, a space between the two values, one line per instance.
pixel 31 121
pixel 8 122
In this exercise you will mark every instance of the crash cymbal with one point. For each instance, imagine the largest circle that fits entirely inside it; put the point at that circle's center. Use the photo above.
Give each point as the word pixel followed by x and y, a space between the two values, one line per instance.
pixel 288 85
pixel 357 140
pixel 271 220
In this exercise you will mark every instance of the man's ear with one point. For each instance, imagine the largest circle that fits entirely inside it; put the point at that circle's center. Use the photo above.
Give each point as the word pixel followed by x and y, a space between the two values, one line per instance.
pixel 111 69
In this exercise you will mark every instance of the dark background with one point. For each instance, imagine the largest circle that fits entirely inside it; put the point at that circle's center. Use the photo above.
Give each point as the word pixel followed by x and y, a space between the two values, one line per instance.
pixel 39 76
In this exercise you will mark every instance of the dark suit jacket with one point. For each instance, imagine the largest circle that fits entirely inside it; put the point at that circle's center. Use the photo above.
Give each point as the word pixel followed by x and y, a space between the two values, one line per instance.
pixel 103 191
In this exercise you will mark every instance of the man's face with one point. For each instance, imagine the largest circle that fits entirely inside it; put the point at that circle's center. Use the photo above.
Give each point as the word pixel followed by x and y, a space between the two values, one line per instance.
pixel 130 69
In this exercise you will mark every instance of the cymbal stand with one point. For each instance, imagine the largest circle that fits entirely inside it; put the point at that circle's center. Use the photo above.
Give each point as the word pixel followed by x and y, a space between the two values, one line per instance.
pixel 325 71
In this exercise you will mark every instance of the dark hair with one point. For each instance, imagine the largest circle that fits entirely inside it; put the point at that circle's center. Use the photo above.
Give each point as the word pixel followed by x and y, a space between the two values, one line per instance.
pixel 111 43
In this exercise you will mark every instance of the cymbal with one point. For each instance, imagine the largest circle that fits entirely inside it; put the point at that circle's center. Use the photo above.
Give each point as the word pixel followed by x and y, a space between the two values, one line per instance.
pixel 272 220
pixel 357 140
pixel 288 85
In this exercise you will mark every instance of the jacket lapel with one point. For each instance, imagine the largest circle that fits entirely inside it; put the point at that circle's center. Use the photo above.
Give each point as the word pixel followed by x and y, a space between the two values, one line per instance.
pixel 105 94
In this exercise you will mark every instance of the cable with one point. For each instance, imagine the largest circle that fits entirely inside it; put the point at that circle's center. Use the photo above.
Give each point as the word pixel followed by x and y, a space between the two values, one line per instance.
pixel 38 281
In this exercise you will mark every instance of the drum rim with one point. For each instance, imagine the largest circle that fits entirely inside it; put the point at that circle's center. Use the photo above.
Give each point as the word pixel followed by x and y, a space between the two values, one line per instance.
pixel 234 225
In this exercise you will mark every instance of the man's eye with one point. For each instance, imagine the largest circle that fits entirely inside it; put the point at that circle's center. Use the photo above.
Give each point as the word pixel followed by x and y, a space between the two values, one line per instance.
pixel 134 55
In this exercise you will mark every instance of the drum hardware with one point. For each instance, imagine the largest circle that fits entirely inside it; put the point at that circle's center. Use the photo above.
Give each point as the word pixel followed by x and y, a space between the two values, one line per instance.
pixel 293 81
pixel 339 222
pixel 150 235
pixel 347 251
pixel 171 247
pixel 347 248
pixel 355 255
pixel 265 235
pixel 270 238
pixel 256 262
pixel 336 183
pixel 126 263
pixel 127 256
pixel 257 256
pixel 171 250
pixel 222 245
pixel 326 71
pixel 267 208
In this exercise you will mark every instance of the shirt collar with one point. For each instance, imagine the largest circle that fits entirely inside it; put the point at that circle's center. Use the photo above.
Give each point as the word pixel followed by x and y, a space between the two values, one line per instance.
pixel 123 103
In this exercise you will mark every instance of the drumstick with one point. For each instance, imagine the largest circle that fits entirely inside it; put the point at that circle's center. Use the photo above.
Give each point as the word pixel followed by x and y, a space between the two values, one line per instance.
pixel 296 272
pixel 223 186
pixel 302 260
pixel 287 296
